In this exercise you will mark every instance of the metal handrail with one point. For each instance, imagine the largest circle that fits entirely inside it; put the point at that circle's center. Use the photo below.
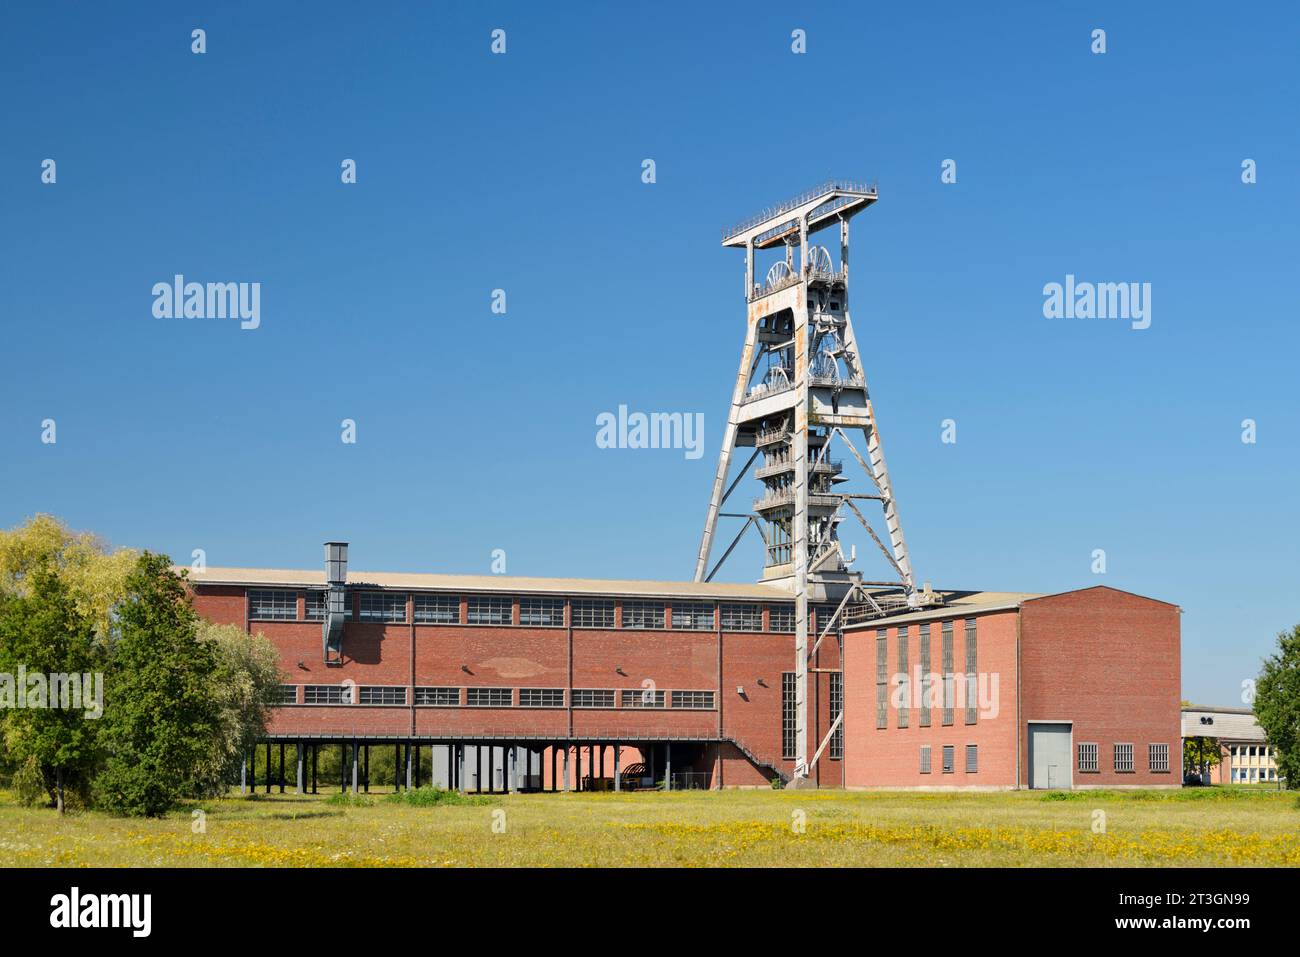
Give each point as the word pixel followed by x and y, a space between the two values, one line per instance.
pixel 806 196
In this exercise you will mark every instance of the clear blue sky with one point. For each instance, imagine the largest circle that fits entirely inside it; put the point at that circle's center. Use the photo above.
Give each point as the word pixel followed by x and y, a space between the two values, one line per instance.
pixel 522 172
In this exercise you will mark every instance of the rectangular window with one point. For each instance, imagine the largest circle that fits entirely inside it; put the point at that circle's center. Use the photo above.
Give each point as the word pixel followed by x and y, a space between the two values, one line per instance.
pixel 972 758
pixel 1158 758
pixel 923 706
pixel 780 618
pixel 316 605
pixel 490 610
pixel 489 697
pixel 272 604
pixel 593 613
pixel 437 609
pixel 542 612
pixel 641 699
pixel 541 697
pixel 1088 759
pixel 742 617
pixel 439 697
pixel 788 715
pixel 882 678
pixel 947 758
pixel 593 697
pixel 972 674
pixel 906 689
pixel 643 614
pixel 693 615
pixel 947 673
pixel 383 606
pixel 696 700
pixel 288 694
pixel 925 759
pixel 381 694
pixel 326 694
pixel 835 750
pixel 1124 758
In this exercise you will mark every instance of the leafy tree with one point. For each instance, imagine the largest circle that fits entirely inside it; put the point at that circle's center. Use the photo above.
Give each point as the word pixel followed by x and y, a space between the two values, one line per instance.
pixel 44 633
pixel 1277 704
pixel 1200 753
pixel 246 682
pixel 95 578
pixel 162 708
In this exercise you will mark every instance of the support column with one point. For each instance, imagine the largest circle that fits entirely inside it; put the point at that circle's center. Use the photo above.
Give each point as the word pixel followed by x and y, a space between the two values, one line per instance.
pixel 618 778
pixel 298 752
pixel 314 749
pixel 554 777
pixel 512 760
pixel 243 774
pixel 365 776
pixel 460 767
pixel 408 767
pixel 356 766
pixel 668 767
pixel 281 767
pixel 566 768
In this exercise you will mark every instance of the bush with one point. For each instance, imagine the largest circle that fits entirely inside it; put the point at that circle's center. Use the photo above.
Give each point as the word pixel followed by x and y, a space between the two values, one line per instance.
pixel 348 799
pixel 433 797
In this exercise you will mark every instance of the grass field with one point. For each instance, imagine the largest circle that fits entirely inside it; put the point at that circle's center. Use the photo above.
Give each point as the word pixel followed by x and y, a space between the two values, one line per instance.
pixel 1204 827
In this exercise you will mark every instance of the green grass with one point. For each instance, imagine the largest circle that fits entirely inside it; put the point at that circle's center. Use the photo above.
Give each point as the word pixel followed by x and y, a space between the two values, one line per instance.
pixel 1203 826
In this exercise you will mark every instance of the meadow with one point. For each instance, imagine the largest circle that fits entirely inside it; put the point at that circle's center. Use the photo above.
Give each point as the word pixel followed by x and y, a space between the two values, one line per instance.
pixel 1200 827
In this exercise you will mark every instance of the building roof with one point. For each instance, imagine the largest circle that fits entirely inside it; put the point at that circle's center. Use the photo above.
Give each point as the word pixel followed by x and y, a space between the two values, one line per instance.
pixel 1228 724
pixel 301 578
pixel 955 603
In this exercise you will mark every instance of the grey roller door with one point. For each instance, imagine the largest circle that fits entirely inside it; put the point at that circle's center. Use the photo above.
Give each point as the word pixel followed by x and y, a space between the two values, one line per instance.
pixel 1049 756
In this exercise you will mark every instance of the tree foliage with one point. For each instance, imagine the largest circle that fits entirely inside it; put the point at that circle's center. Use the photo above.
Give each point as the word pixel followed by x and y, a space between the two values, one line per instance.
pixel 162 708
pixel 1277 704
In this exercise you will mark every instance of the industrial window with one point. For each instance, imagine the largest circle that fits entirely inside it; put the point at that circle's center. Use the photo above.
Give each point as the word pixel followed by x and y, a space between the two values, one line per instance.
pixel 882 678
pixel 824 615
pixel 1088 759
pixel 788 715
pixel 780 617
pixel 593 613
pixel 643 614
pixel 490 610
pixel 699 700
pixel 742 617
pixel 906 689
pixel 316 605
pixel 437 609
pixel 440 697
pixel 288 695
pixel 947 673
pixel 326 694
pixel 972 758
pixel 489 697
pixel 1158 758
pixel 383 606
pixel 693 615
pixel 835 750
pixel 542 612
pixel 641 699
pixel 1124 758
pixel 272 605
pixel 593 698
pixel 925 759
pixel 541 697
pixel 972 675
pixel 381 694
pixel 923 705
pixel 947 758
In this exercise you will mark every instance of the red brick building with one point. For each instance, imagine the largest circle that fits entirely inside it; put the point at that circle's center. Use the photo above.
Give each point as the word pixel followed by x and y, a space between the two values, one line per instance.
pixel 1006 690
pixel 553 683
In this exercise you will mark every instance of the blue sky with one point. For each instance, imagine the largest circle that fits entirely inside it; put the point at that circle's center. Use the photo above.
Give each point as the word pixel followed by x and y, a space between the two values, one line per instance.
pixel 522 172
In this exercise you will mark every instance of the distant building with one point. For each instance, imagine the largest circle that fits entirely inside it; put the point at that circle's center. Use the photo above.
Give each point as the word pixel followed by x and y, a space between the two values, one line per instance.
pixel 1245 756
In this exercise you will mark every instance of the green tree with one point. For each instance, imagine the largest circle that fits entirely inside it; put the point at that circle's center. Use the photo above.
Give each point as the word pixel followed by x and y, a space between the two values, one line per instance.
pixel 1277 704
pixel 246 682
pixel 44 635
pixel 162 709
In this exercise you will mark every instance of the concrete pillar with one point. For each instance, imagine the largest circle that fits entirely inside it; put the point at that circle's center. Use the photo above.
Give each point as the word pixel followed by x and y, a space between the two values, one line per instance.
pixel 618 778
pixel 409 749
pixel 566 768
pixel 356 766
pixel 668 767
pixel 243 775
pixel 298 751
pixel 512 767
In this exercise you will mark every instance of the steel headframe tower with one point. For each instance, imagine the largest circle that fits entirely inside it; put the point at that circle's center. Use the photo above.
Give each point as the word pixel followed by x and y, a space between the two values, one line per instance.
pixel 800 386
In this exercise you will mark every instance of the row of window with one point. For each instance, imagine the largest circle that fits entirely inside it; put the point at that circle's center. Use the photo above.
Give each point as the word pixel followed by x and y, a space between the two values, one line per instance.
pixel 281 604
pixel 1122 758
pixel 499 697
pixel 949 754
pixel 908 702
pixel 790 712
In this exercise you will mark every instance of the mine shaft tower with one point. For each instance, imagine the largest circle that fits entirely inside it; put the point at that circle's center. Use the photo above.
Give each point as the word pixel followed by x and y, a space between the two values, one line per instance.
pixel 801 386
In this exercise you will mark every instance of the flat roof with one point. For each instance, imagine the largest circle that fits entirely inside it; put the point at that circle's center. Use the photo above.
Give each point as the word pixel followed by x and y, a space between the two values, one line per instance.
pixel 304 578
